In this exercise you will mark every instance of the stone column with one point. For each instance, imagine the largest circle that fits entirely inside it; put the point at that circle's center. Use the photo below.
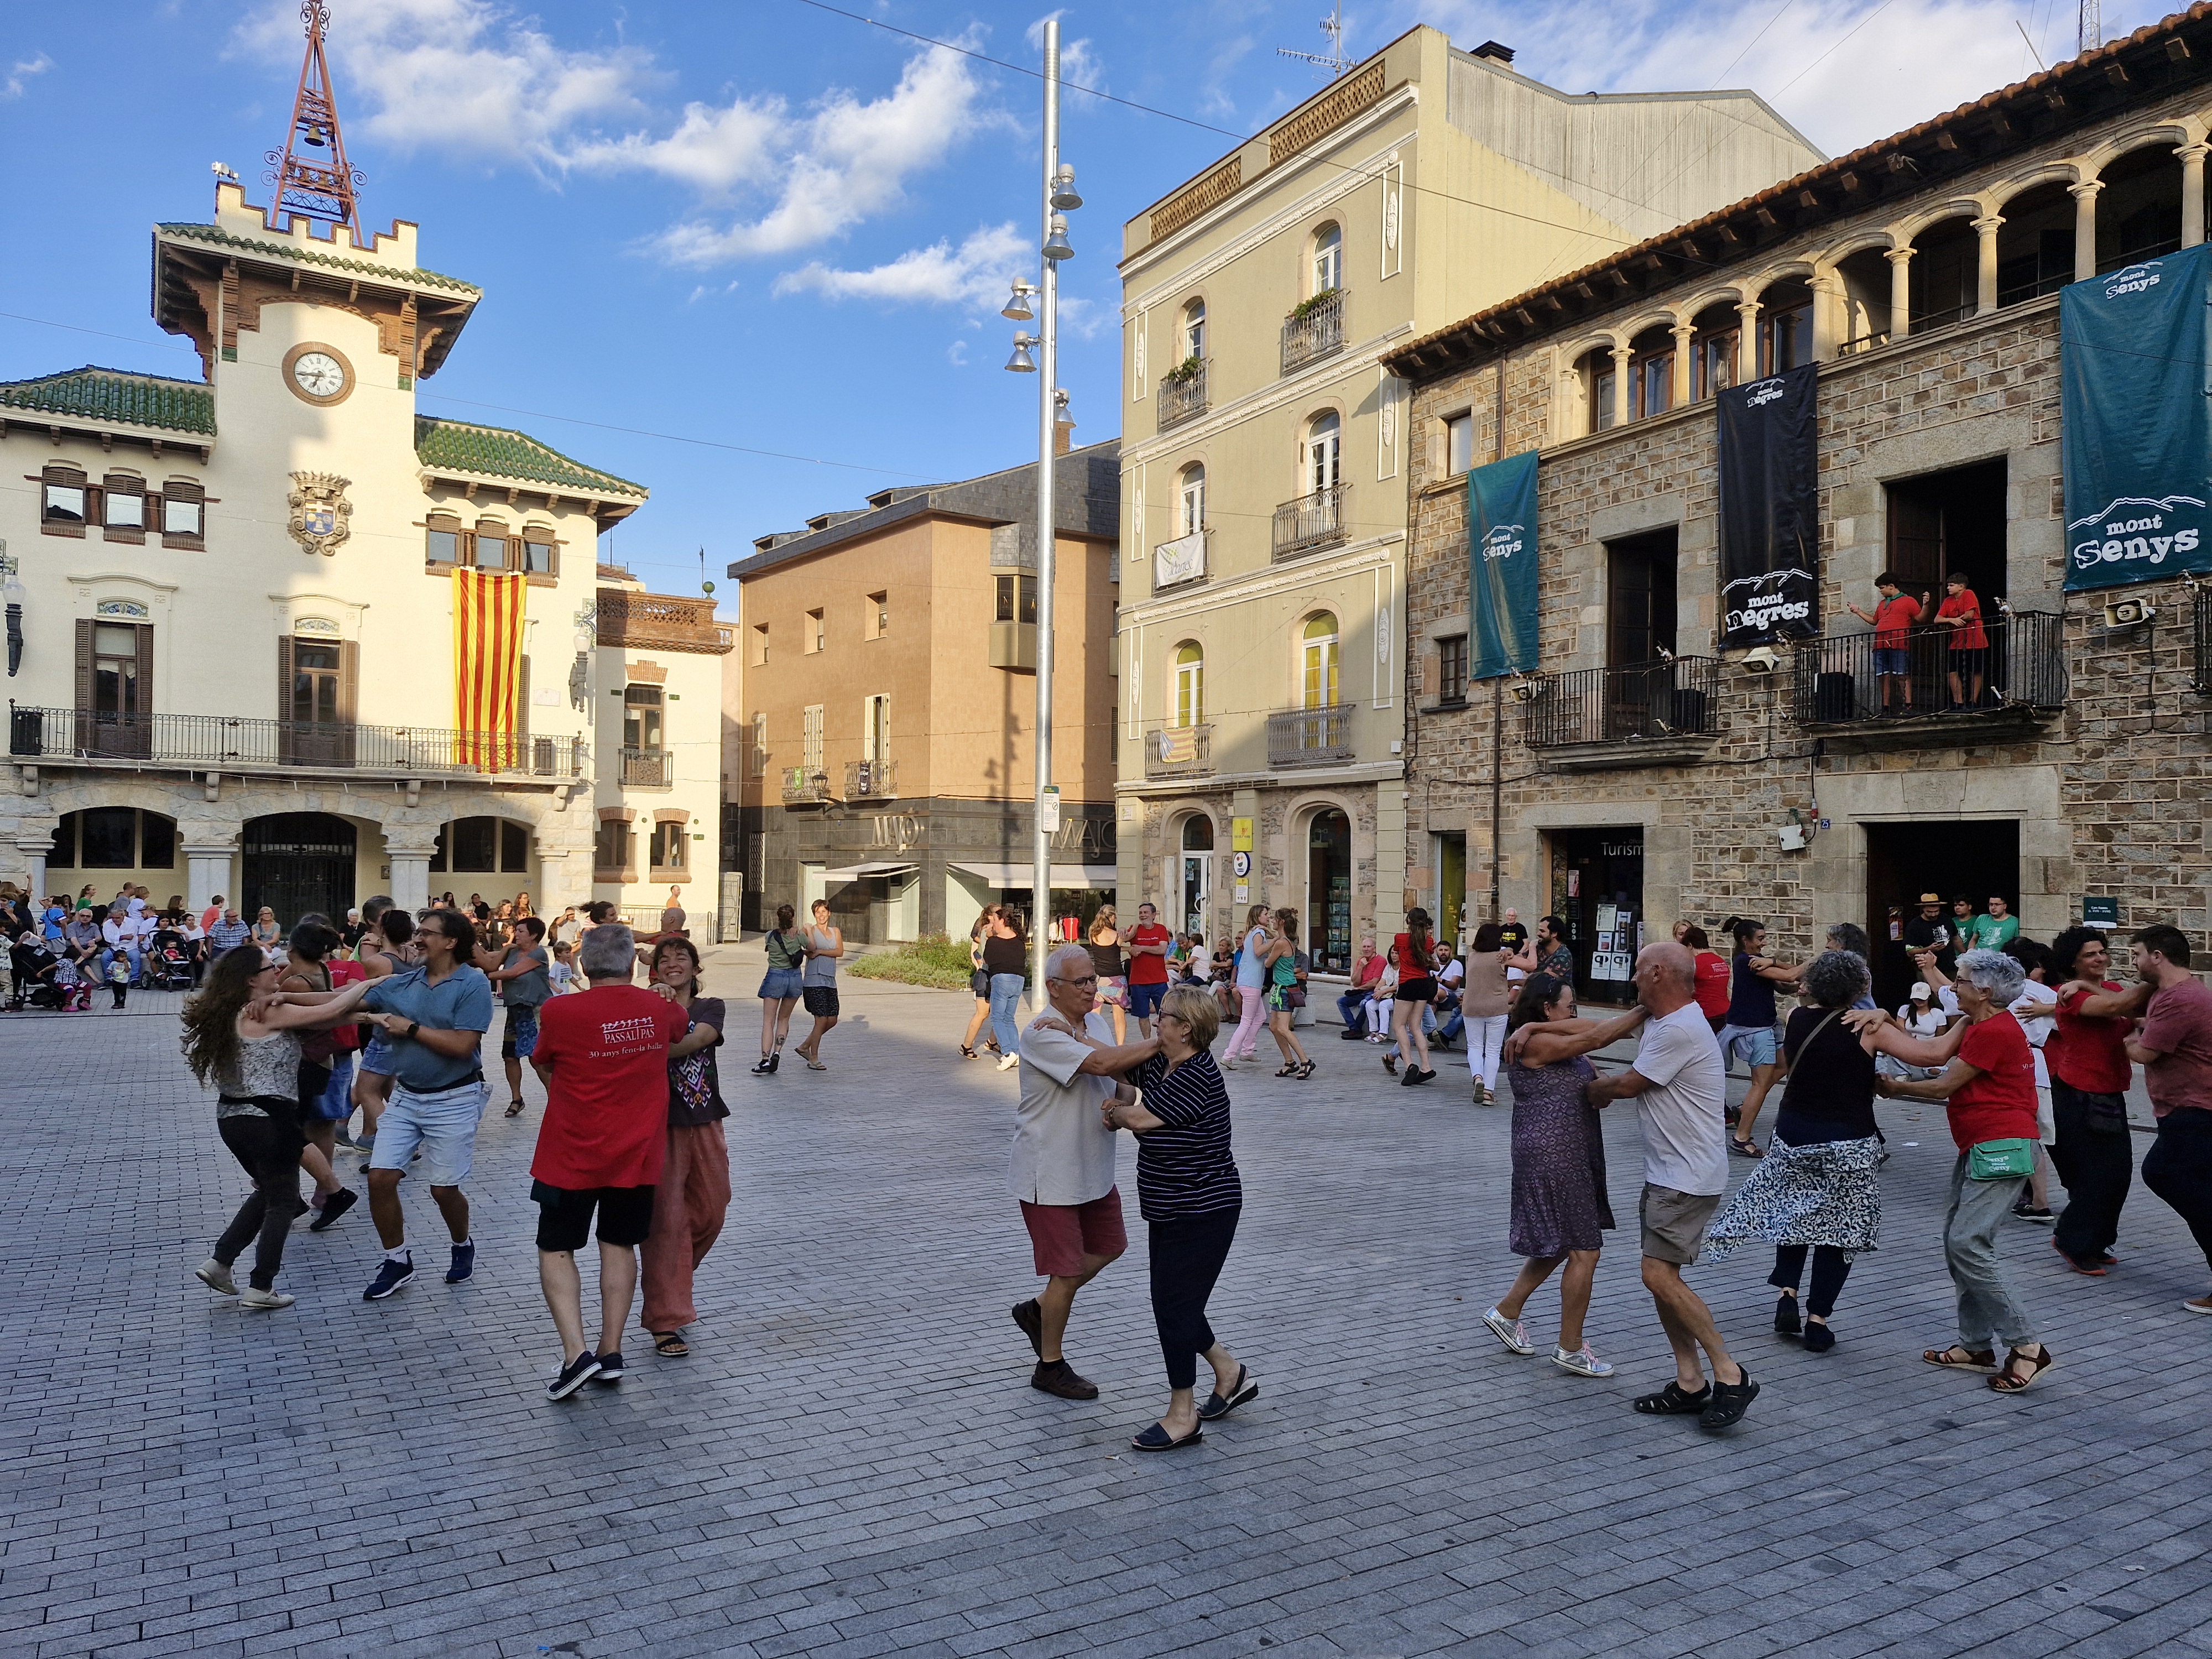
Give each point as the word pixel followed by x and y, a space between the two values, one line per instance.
pixel 2192 192
pixel 408 852
pixel 562 882
pixel 1746 341
pixel 1621 357
pixel 207 872
pixel 1828 300
pixel 1985 270
pixel 1678 394
pixel 1900 292
pixel 2085 229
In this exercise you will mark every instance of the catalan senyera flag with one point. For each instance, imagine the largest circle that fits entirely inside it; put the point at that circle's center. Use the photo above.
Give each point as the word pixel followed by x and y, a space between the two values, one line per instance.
pixel 488 664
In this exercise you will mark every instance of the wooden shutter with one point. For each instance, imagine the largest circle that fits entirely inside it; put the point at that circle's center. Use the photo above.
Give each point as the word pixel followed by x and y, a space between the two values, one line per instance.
pixel 522 700
pixel 284 673
pixel 350 680
pixel 145 631
pixel 84 664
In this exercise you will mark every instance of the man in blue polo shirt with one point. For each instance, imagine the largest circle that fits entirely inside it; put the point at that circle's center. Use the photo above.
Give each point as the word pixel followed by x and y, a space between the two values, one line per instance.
pixel 433 1018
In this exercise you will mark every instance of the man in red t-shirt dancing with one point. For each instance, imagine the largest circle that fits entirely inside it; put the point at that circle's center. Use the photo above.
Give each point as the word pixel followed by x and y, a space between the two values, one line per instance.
pixel 603 1057
pixel 1148 944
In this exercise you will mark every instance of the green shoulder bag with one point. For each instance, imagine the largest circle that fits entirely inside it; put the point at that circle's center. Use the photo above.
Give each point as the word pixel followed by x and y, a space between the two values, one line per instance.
pixel 2001 1160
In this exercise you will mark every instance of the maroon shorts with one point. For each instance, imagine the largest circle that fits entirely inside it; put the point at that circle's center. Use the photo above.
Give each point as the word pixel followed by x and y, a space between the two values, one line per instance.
pixel 1061 1235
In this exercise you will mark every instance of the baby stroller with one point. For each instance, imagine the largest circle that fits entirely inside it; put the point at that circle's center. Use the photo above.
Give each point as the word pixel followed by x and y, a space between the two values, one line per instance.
pixel 35 985
pixel 167 970
pixel 73 988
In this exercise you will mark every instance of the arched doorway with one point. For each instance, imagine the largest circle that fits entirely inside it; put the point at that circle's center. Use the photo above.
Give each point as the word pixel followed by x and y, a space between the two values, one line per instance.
pixel 298 862
pixel 1328 891
pixel 1197 872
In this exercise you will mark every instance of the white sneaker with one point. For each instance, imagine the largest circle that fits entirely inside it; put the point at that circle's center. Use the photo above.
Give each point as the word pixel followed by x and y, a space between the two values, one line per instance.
pixel 1582 1363
pixel 1007 1062
pixel 217 1277
pixel 1511 1332
pixel 265 1301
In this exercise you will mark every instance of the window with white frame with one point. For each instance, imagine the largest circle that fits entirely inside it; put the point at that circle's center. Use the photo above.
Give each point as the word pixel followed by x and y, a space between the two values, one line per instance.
pixel 1327 260
pixel 1459 444
pixel 1193 330
pixel 876 727
pixel 1317 662
pixel 1191 507
pixel 1190 684
pixel 809 737
pixel 1324 446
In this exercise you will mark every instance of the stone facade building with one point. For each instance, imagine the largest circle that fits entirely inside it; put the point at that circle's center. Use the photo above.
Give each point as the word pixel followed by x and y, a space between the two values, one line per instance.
pixel 1265 450
pixel 1644 775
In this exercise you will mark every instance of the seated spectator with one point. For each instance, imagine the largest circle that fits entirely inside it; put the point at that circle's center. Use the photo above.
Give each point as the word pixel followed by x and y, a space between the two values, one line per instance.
pixel 1352 1006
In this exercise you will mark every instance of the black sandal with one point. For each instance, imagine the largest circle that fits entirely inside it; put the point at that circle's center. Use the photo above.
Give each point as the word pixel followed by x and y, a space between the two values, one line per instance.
pixel 1305 1071
pixel 1730 1400
pixel 1290 1070
pixel 514 1110
pixel 671 1345
pixel 1674 1401
pixel 966 1052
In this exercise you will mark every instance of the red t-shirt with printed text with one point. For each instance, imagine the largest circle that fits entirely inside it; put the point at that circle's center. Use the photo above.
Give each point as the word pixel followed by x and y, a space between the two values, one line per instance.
pixel 606 1108
pixel 1148 969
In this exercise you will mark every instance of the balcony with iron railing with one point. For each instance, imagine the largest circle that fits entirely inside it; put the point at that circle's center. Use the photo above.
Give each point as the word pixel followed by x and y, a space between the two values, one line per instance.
pixel 1313 331
pixel 2200 629
pixel 1847 683
pixel 647 769
pixel 222 743
pixel 1179 752
pixel 660 622
pixel 1310 522
pixel 876 780
pixel 1183 393
pixel 804 783
pixel 1310 737
pixel 1651 714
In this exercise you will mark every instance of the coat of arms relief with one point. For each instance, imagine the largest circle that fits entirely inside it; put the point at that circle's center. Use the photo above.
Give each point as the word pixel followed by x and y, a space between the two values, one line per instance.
pixel 321 515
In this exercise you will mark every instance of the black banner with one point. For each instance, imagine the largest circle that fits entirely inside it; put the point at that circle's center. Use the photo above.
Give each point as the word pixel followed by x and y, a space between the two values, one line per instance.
pixel 1770 509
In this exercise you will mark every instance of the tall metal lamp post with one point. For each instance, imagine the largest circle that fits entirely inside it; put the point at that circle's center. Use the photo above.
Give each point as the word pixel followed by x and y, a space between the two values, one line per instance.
pixel 1059 200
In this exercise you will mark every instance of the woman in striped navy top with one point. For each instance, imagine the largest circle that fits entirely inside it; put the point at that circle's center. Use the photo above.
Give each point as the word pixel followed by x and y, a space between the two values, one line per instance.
pixel 1187 1189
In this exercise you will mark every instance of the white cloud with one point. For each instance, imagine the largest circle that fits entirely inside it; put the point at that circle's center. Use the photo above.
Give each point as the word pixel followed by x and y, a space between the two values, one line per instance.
pixel 21 71
pixel 979 271
pixel 712 149
pixel 957 353
pixel 846 160
pixel 1079 63
pixel 460 75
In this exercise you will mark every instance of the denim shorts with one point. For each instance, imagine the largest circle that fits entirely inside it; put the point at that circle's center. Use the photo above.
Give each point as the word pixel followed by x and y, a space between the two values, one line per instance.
pixel 1755 1043
pixel 1144 998
pixel 443 1124
pixel 376 1059
pixel 781 985
pixel 1887 661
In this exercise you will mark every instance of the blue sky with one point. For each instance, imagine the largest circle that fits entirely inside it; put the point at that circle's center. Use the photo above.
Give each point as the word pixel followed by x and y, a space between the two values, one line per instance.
pixel 765 225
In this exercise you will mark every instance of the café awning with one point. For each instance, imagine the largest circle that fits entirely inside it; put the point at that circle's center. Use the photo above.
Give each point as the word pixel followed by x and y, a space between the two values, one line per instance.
pixel 1096 876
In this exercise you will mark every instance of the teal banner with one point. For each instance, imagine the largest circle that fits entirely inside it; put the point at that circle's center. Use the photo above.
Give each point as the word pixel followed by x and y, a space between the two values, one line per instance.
pixel 2136 412
pixel 1501 568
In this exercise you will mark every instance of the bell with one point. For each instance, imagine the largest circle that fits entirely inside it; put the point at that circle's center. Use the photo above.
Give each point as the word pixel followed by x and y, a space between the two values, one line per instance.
pixel 316 136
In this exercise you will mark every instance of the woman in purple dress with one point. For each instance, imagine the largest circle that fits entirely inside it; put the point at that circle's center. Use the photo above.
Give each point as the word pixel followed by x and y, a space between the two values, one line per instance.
pixel 1559 1205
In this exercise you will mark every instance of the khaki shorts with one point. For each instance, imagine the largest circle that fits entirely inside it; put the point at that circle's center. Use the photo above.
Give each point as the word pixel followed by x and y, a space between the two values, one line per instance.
pixel 1674 1223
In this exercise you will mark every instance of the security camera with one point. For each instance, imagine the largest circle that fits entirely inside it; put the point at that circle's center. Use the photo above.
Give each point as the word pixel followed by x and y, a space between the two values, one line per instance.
pixel 2129 612
pixel 1761 659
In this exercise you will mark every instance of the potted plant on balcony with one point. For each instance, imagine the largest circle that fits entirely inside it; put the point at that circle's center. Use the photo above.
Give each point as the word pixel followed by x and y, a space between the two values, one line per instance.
pixel 1305 308
pixel 1184 372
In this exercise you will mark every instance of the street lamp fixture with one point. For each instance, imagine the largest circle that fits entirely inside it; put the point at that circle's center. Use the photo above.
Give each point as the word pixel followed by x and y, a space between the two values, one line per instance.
pixel 1021 362
pixel 1064 198
pixel 1017 308
pixel 1056 246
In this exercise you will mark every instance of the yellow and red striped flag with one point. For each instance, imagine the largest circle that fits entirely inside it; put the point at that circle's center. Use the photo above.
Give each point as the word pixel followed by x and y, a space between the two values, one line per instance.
pixel 488 664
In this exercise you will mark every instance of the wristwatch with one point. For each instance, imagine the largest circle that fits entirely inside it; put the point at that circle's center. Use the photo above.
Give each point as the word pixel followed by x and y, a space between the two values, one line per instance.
pixel 413 1026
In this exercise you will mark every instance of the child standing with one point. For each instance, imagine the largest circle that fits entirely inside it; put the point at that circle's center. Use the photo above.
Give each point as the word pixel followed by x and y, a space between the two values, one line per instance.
pixel 119 978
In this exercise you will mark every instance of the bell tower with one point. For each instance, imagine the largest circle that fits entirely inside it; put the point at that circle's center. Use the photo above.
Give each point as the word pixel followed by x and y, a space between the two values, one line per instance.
pixel 312 178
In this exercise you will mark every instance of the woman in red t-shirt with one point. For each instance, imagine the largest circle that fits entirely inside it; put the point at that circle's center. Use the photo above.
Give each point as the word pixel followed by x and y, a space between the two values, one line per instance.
pixel 1961 612
pixel 2086 1054
pixel 1712 975
pixel 1988 1086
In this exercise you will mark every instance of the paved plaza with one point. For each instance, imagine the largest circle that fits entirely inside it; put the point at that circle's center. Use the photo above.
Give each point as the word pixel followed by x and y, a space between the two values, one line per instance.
pixel 853 1464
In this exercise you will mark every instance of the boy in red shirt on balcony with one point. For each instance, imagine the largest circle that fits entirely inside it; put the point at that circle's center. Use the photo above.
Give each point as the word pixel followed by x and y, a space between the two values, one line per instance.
pixel 1961 612
pixel 1894 615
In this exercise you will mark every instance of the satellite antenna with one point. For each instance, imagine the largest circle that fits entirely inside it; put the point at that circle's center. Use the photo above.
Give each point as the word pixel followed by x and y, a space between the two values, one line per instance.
pixel 1333 26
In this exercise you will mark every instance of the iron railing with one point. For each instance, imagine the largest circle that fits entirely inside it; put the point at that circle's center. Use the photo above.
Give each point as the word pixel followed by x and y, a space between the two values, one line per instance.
pixel 2201 628
pixel 1639 702
pixel 219 741
pixel 804 783
pixel 1859 342
pixel 870 779
pixel 1316 332
pixel 1183 397
pixel 1846 678
pixel 647 769
pixel 1178 751
pixel 1309 523
pixel 1310 737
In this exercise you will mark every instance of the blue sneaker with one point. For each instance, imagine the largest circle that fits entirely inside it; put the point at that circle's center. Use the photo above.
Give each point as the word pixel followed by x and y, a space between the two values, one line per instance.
pixel 389 1276
pixel 464 1265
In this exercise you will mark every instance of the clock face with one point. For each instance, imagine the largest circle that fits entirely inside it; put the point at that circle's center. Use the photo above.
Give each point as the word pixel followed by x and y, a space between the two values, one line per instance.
pixel 319 375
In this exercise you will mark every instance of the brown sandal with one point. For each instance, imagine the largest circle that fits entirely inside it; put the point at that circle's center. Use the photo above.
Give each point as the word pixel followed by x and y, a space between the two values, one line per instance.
pixel 1970 1359
pixel 2009 1382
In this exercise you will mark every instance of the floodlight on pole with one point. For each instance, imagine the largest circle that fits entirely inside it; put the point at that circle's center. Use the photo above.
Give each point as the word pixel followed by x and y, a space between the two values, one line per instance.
pixel 1021 362
pixel 1017 308
pixel 1064 198
pixel 1056 246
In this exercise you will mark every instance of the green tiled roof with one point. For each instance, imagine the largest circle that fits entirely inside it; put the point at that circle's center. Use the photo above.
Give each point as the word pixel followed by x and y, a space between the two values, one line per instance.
pixel 215 238
pixel 496 452
pixel 116 395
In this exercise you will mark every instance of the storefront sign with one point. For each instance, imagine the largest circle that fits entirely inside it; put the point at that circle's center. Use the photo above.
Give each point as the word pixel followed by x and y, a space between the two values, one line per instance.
pixel 1770 508
pixel 1501 566
pixel 1240 834
pixel 2136 431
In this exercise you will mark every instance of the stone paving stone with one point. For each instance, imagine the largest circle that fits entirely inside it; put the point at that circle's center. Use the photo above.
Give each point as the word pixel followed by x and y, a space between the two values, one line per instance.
pixel 851 1463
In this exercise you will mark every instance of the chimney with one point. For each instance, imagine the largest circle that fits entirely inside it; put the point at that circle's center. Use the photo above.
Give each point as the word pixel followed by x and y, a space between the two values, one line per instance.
pixel 1063 435
pixel 1501 56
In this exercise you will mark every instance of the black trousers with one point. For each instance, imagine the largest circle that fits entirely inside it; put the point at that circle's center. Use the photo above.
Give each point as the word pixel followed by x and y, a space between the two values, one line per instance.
pixel 1187 1253
pixel 2096 1160
pixel 1829 1270
pixel 2178 1169
pixel 269 1149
